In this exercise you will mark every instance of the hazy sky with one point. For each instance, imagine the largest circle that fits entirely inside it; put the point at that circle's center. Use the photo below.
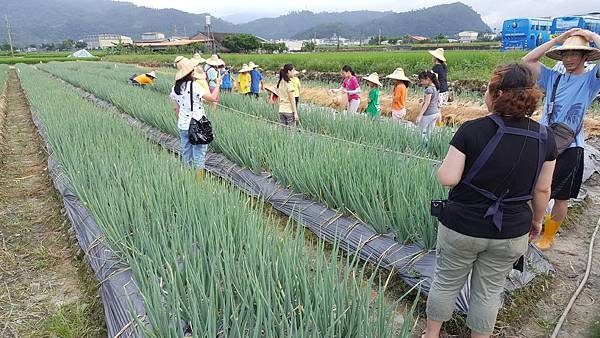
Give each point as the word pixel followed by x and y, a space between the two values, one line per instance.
pixel 492 12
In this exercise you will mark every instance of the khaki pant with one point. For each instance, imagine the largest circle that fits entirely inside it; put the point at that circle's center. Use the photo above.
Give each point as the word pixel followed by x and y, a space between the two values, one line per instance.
pixel 489 260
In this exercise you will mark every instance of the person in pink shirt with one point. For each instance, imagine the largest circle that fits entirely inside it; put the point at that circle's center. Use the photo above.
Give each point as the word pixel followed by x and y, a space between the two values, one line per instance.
pixel 351 86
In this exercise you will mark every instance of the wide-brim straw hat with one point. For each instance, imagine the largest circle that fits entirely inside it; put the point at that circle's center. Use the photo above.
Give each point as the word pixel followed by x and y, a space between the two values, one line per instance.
pixel 152 74
pixel 214 61
pixel 575 43
pixel 252 65
pixel 179 58
pixel 399 75
pixel 438 54
pixel 272 90
pixel 373 78
pixel 184 68
pixel 245 69
pixel 199 58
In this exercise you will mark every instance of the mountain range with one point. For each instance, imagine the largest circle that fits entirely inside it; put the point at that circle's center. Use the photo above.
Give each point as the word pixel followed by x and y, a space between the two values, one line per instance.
pixel 39 21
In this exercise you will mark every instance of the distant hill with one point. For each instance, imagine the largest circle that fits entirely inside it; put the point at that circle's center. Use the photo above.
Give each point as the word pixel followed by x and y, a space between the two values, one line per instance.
pixel 447 19
pixel 38 21
pixel 289 25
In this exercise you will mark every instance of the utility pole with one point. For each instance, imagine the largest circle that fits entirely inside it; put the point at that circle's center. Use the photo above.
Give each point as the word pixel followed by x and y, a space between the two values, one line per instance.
pixel 12 53
pixel 379 36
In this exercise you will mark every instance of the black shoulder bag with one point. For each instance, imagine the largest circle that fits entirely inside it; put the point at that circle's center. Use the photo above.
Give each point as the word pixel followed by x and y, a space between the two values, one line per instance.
pixel 200 131
pixel 564 136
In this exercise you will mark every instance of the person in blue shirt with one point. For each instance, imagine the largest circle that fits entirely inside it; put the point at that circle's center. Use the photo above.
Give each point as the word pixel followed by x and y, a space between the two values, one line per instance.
pixel 256 82
pixel 226 80
pixel 575 92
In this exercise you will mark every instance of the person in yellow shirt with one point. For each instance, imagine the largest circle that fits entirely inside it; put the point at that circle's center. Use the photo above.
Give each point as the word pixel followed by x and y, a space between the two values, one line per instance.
pixel 143 79
pixel 244 80
pixel 296 82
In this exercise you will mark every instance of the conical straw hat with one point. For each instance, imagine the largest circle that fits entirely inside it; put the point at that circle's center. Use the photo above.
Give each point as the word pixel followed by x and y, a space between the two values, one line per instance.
pixel 214 60
pixel 399 75
pixel 438 54
pixel 373 78
pixel 184 67
pixel 578 43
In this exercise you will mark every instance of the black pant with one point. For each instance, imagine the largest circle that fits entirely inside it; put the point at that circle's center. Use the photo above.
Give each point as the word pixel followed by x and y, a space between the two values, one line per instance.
pixel 297 100
pixel 568 174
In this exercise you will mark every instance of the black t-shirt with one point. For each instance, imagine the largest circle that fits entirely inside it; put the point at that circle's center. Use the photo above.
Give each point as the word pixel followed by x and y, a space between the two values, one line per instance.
pixel 512 166
pixel 442 73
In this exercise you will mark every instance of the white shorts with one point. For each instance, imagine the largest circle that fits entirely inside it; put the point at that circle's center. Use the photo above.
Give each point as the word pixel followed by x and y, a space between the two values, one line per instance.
pixel 353 106
pixel 398 114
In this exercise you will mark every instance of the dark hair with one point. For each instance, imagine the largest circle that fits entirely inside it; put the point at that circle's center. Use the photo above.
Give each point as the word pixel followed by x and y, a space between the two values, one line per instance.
pixel 283 73
pixel 519 97
pixel 347 68
pixel 427 74
pixel 179 83
pixel 406 83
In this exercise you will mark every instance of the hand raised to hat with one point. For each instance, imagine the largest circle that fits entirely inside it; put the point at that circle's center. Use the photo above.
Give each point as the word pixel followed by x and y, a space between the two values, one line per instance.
pixel 588 35
pixel 564 36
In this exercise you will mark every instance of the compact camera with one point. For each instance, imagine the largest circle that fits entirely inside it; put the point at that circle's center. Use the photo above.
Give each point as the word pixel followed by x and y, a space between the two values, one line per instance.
pixel 437 208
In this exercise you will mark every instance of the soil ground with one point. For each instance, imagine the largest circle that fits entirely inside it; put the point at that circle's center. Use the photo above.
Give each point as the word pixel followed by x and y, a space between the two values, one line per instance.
pixel 47 289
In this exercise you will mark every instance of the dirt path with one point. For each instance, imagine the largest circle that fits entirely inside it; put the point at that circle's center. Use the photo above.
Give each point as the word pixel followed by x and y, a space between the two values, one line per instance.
pixel 569 257
pixel 46 289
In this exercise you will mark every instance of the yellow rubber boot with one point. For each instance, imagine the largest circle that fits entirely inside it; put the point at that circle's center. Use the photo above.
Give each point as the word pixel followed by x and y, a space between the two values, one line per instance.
pixel 200 175
pixel 550 229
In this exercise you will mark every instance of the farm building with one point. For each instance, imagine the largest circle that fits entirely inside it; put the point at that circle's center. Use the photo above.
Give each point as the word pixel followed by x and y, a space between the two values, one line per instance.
pixel 103 41
pixel 153 36
pixel 467 36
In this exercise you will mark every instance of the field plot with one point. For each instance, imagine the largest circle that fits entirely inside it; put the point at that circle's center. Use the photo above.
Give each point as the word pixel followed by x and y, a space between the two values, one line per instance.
pixel 344 175
pixel 171 230
pixel 387 190
pixel 463 65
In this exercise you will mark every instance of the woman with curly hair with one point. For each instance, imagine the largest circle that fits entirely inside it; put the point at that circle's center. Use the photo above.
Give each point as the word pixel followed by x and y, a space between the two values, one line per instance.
pixel 499 169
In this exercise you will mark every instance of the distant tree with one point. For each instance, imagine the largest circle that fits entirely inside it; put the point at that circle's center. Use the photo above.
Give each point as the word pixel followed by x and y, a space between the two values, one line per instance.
pixel 241 43
pixel 80 44
pixel 269 47
pixel 67 44
pixel 5 46
pixel 309 46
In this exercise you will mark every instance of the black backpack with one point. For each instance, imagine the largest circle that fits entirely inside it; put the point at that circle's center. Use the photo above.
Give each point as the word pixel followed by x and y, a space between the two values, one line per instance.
pixel 200 131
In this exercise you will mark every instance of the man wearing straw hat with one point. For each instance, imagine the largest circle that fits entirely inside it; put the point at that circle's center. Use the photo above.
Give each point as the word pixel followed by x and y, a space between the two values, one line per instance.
pixel 256 80
pixel 213 63
pixel 568 96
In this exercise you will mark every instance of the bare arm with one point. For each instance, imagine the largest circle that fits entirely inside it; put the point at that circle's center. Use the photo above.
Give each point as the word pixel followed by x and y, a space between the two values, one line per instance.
pixel 424 106
pixel 595 38
pixel 176 108
pixel 293 102
pixel 451 170
pixel 532 59
pixel 214 96
pixel 541 196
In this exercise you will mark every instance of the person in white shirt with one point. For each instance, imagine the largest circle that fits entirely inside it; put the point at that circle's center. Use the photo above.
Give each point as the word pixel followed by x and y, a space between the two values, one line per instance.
pixel 187 96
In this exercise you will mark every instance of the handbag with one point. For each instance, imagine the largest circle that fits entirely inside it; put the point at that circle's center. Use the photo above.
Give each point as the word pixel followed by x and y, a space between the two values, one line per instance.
pixel 564 136
pixel 199 131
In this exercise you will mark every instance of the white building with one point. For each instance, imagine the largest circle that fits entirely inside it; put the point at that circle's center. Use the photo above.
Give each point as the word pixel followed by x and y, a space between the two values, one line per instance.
pixel 155 36
pixel 467 36
pixel 102 41
pixel 293 45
